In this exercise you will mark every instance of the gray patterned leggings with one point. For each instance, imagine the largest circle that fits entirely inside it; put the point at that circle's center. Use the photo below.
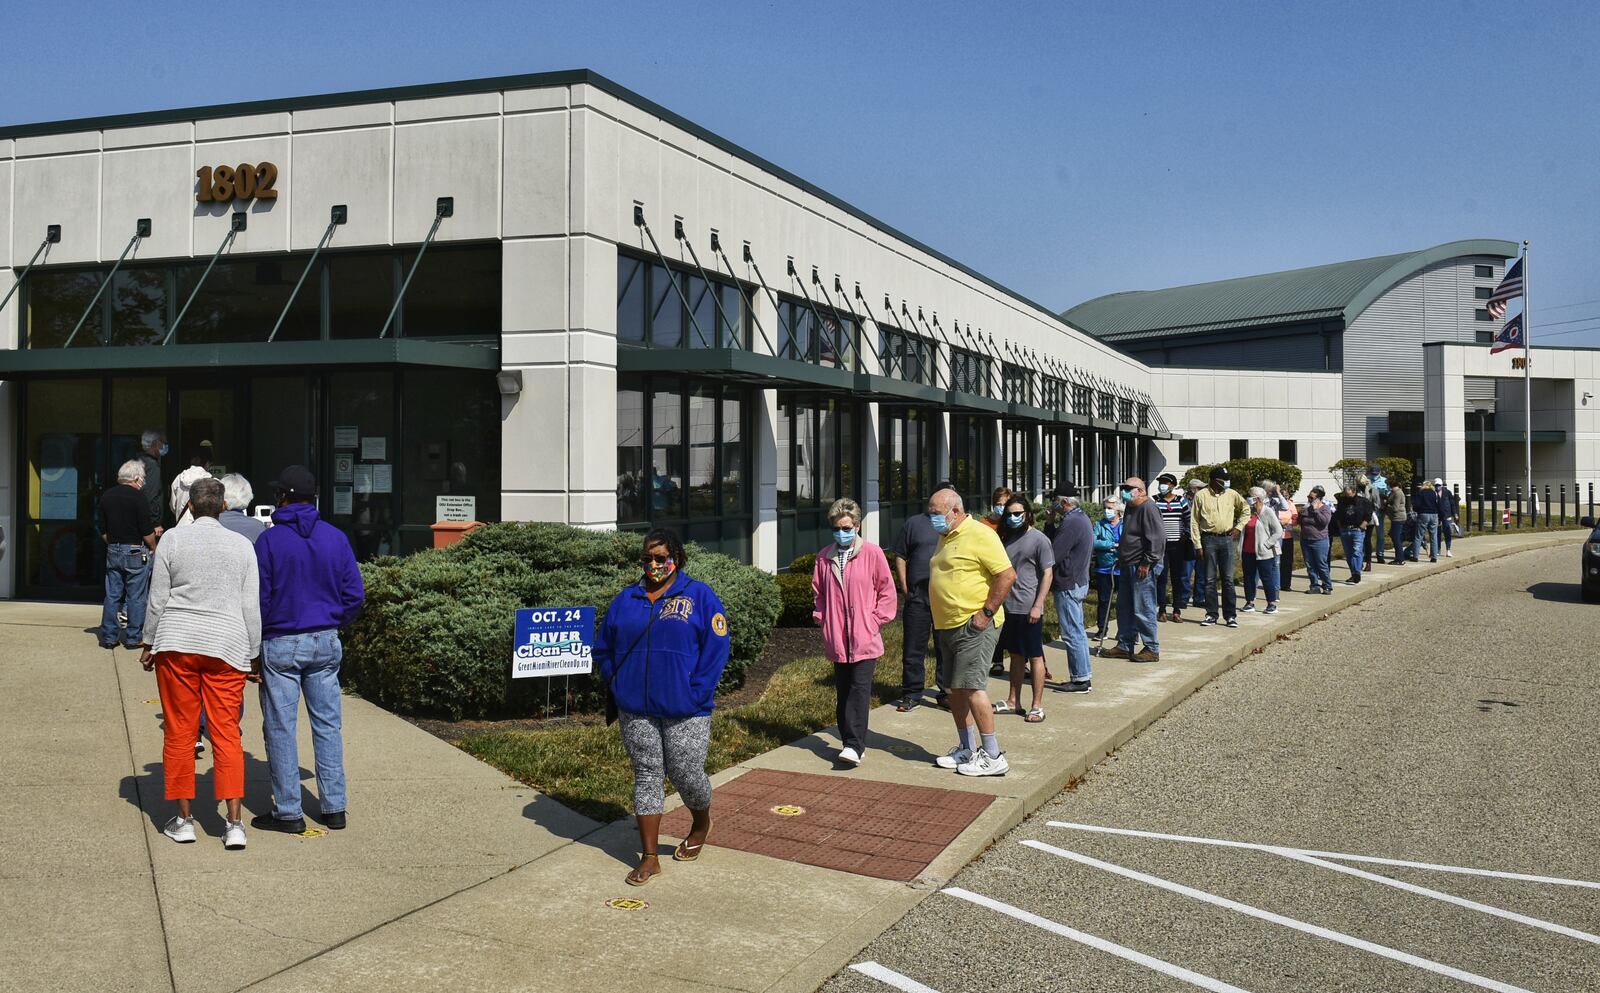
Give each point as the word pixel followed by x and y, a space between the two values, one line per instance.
pixel 675 746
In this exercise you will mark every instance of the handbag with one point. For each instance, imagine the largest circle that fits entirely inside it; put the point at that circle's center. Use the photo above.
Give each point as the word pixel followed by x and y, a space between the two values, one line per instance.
pixel 1455 529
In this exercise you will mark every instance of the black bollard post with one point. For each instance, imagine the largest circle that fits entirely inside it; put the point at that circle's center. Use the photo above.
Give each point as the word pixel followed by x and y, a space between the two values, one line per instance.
pixel 1546 507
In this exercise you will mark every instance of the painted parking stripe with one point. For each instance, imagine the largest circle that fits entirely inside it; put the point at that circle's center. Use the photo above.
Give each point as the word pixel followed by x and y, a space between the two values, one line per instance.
pixel 891 978
pixel 1341 856
pixel 1288 922
pixel 1121 951
pixel 1481 908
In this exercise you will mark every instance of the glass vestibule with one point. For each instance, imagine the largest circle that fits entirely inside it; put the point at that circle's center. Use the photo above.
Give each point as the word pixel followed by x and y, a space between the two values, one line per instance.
pixel 819 453
pixel 908 443
pixel 77 431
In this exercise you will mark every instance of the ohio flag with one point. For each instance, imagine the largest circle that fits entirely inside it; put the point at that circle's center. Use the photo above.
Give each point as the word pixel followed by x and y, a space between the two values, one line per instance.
pixel 1510 336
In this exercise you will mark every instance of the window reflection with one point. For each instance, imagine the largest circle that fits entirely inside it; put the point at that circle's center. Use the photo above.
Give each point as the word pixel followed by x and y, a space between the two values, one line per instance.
pixel 55 302
pixel 455 292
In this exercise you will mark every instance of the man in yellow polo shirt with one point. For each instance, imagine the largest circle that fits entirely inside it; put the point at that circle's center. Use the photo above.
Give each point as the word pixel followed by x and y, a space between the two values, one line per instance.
pixel 970 575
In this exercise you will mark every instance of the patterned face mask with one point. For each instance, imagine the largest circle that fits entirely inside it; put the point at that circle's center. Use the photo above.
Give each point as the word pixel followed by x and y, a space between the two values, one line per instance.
pixel 658 572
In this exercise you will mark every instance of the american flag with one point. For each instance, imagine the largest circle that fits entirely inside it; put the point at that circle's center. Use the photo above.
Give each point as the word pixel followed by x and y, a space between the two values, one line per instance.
pixel 1510 287
pixel 1510 336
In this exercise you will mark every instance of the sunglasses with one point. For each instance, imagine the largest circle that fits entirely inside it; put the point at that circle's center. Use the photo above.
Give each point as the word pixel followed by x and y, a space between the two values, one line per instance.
pixel 654 559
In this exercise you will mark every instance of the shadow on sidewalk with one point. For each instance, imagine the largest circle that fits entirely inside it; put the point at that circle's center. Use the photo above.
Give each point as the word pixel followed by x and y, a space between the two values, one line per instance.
pixel 148 793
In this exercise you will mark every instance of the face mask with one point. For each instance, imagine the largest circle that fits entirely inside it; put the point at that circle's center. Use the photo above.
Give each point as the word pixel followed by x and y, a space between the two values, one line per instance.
pixel 1164 488
pixel 1127 494
pixel 1015 520
pixel 658 572
pixel 844 536
pixel 1227 484
pixel 165 449
pixel 999 508
pixel 941 525
pixel 1111 515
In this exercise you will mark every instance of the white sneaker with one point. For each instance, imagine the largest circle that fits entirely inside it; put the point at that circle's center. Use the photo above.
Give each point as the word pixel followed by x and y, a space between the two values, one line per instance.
pixel 180 829
pixel 233 837
pixel 849 756
pixel 982 765
pixel 954 758
pixel 1449 554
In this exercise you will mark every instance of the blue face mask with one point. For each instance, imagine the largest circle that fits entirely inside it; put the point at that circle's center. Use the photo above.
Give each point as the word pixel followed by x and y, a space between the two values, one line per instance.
pixel 1015 520
pixel 844 536
pixel 165 449
pixel 1127 494
pixel 940 524
pixel 1111 515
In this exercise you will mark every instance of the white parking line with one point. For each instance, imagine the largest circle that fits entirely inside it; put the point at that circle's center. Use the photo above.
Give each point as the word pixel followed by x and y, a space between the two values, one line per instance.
pixel 1121 951
pixel 891 978
pixel 1288 922
pixel 1482 908
pixel 1341 856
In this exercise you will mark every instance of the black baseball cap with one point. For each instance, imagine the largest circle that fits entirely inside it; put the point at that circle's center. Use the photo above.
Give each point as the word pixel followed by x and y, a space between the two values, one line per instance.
pixel 1219 472
pixel 1069 490
pixel 296 481
pixel 1169 477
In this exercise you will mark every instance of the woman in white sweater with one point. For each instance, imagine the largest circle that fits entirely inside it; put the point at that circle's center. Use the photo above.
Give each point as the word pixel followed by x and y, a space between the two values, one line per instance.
pixel 1262 540
pixel 202 633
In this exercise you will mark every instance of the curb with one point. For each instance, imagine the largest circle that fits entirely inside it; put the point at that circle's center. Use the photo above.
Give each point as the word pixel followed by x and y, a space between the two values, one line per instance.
pixel 1005 813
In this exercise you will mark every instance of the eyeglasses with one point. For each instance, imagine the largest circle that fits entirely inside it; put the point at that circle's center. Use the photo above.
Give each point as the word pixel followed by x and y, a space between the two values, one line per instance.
pixel 654 559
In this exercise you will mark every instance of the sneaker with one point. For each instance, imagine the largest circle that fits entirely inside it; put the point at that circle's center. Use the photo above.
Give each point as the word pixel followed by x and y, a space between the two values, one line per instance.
pixel 1352 581
pixel 1327 591
pixel 1208 620
pixel 1272 608
pixel 982 765
pixel 1233 622
pixel 1076 686
pixel 1147 656
pixel 1116 652
pixel 849 756
pixel 1449 554
pixel 334 821
pixel 233 836
pixel 908 703
pixel 266 822
pixel 1248 608
pixel 181 830
pixel 1433 560
pixel 199 746
pixel 954 758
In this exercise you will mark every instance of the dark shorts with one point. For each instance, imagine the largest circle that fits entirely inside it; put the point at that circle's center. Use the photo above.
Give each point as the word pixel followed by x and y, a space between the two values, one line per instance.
pixel 968 653
pixel 1022 636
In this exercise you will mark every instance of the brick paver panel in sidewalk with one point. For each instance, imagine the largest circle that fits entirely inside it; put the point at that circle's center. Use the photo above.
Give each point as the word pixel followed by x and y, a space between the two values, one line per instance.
pixel 853 825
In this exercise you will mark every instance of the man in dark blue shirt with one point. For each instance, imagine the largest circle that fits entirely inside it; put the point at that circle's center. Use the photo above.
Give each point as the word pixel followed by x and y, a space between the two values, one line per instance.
pixel 1073 546
pixel 1425 508
pixel 913 550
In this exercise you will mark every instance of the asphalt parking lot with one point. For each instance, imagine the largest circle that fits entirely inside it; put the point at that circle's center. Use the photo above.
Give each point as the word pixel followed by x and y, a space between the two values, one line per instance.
pixel 1302 822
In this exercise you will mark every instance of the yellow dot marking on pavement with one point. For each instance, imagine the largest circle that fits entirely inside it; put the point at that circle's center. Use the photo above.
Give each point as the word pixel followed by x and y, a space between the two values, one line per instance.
pixel 311 832
pixel 627 903
pixel 788 810
pixel 153 701
pixel 901 749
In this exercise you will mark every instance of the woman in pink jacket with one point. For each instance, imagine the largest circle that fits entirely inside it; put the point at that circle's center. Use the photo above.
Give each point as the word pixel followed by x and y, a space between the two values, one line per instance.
pixel 854 599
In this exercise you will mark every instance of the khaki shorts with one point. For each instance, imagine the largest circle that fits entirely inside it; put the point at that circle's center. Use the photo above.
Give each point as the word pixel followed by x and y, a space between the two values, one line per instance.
pixel 965 656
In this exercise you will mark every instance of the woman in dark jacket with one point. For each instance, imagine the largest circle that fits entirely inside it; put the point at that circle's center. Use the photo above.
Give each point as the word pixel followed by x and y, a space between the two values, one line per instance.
pixel 661 648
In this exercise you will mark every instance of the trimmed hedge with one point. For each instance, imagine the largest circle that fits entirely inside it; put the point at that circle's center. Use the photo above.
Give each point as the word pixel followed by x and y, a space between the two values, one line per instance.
pixel 1245 473
pixel 435 634
pixel 1399 471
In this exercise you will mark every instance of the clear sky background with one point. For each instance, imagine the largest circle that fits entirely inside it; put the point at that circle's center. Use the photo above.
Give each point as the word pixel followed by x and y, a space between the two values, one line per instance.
pixel 1064 149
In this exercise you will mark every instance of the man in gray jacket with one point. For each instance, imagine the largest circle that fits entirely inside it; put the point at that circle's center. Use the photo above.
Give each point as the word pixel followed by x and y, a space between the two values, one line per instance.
pixel 1398 510
pixel 1141 554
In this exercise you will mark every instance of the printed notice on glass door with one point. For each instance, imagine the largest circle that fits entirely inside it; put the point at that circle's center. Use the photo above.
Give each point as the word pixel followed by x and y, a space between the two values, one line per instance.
pixel 346 435
pixel 374 449
pixel 343 503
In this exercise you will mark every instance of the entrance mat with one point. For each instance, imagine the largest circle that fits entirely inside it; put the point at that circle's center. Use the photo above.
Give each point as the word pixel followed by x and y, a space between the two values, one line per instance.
pixel 855 825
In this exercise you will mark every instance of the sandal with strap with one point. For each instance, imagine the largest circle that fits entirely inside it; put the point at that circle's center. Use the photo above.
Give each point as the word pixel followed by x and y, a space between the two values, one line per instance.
pixel 686 852
pixel 1035 716
pixel 1004 708
pixel 634 879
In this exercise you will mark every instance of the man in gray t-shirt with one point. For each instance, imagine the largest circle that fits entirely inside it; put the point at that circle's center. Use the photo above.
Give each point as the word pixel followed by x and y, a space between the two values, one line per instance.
pixel 1022 636
pixel 913 549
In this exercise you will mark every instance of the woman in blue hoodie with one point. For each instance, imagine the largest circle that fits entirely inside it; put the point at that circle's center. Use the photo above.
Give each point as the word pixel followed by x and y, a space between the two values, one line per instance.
pixel 1107 533
pixel 661 648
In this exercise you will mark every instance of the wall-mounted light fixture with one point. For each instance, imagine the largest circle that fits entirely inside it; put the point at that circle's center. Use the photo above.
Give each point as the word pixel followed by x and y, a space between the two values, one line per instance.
pixel 509 382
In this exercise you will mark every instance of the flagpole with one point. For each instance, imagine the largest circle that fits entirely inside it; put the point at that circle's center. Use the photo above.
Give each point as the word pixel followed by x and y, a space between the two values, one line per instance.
pixel 1527 379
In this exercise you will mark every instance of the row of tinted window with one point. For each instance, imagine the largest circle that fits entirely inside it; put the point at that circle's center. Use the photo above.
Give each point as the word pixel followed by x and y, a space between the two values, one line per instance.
pixel 969 372
pixel 683 450
pixel 820 335
pixel 907 357
pixel 694 313
pixel 1016 383
pixel 455 292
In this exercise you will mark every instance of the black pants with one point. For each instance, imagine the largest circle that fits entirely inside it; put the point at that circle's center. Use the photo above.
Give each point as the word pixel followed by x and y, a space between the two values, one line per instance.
pixel 852 684
pixel 1286 562
pixel 1105 585
pixel 1174 586
pixel 917 620
pixel 1219 553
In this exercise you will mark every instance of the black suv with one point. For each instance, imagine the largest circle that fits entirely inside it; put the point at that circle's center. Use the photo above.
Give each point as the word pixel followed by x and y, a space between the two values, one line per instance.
pixel 1591 562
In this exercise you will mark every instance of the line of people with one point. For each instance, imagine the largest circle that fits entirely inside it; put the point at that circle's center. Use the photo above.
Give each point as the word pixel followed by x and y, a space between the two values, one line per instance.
pixel 220 600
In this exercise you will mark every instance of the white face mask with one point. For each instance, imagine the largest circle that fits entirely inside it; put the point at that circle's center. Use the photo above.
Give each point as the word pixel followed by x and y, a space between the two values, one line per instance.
pixel 1227 484
pixel 1163 488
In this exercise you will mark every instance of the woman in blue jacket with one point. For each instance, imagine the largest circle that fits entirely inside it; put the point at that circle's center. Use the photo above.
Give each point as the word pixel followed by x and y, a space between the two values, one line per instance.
pixel 661 648
pixel 1107 533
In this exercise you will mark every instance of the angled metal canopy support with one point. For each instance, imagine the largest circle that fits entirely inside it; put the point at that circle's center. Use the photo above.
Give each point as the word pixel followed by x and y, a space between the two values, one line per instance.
pixel 794 278
pixel 442 208
pixel 838 287
pixel 643 225
pixel 888 308
pixel 855 346
pixel 336 216
pixel 716 298
pixel 235 225
pixel 141 229
pixel 716 248
pixel 750 260
pixel 52 235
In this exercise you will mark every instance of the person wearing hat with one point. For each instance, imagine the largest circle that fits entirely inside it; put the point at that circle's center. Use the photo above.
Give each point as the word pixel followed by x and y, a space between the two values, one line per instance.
pixel 1426 508
pixel 310 588
pixel 1219 515
pixel 1174 507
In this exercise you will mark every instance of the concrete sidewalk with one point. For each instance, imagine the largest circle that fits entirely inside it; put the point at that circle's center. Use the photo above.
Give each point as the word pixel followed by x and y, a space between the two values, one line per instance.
pixel 452 874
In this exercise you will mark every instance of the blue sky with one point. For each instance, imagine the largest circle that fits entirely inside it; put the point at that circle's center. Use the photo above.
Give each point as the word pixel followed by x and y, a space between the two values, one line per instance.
pixel 1064 149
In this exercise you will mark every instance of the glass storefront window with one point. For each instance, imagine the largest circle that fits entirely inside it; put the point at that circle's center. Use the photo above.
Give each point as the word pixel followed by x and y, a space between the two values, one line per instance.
pixel 63 480
pixel 139 306
pixel 702 451
pixel 455 293
pixel 631 475
pixel 449 446
pixel 360 294
pixel 666 310
pixel 280 432
pixel 240 300
pixel 361 414
pixel 55 302
pixel 630 299
pixel 735 488
pixel 666 453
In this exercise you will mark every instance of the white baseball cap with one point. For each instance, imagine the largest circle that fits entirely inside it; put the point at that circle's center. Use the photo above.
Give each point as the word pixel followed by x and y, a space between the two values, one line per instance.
pixel 1437 481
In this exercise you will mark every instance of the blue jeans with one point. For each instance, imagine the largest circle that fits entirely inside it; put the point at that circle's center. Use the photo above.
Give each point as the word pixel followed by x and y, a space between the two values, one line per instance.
pixel 1136 608
pixel 292 665
pixel 1316 556
pixel 1426 524
pixel 1352 539
pixel 1197 580
pixel 1069 611
pixel 1262 569
pixel 127 588
pixel 1399 545
pixel 1218 550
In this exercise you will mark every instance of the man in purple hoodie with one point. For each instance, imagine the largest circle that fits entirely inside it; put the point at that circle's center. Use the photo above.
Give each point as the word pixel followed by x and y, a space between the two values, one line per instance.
pixel 310 588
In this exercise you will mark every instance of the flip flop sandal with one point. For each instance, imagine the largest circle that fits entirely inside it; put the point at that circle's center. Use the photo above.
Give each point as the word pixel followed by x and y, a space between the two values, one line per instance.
pixel 686 852
pixel 632 880
pixel 1035 716
pixel 1004 708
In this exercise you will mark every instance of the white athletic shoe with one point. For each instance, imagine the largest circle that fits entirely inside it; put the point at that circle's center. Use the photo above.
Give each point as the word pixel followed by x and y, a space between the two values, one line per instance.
pixel 849 756
pixel 233 838
pixel 954 758
pixel 982 765
pixel 180 829
pixel 1449 554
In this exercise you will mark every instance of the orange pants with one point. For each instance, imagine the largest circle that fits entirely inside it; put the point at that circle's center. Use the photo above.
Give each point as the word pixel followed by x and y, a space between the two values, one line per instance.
pixel 185 681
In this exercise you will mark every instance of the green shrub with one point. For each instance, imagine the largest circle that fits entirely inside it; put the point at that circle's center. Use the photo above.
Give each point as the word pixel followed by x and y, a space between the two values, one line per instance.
pixel 1245 473
pixel 795 590
pixel 1399 470
pixel 435 634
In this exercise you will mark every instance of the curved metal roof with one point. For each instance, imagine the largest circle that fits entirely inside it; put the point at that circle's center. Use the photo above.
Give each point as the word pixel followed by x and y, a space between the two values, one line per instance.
pixel 1340 290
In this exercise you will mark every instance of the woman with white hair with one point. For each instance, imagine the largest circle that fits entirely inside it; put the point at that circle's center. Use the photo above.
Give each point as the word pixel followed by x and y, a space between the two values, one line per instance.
pixel 854 599
pixel 237 492
pixel 1263 540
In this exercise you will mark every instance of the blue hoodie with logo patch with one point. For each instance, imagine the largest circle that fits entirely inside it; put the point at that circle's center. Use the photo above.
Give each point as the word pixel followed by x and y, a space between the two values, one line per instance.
pixel 309 577
pixel 664 659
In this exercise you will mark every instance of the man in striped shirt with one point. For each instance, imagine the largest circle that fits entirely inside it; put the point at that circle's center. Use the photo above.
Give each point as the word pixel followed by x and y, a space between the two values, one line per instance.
pixel 1174 507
